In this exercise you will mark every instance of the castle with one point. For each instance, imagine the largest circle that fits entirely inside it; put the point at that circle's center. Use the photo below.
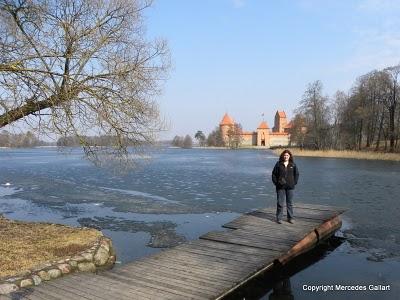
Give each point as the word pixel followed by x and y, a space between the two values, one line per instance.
pixel 263 136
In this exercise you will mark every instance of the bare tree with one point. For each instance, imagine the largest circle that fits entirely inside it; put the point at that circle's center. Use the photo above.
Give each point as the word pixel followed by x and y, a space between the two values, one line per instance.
pixel 338 106
pixel 313 107
pixel 235 137
pixel 392 102
pixel 298 131
pixel 177 141
pixel 215 138
pixel 187 142
pixel 73 67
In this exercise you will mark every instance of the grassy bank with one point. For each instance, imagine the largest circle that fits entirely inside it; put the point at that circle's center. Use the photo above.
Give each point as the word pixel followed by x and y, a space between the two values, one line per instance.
pixel 25 245
pixel 343 154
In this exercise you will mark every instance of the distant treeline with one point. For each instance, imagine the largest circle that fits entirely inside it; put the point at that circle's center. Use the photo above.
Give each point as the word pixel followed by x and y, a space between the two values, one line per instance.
pixel 20 140
pixel 366 117
pixel 101 141
pixel 73 141
pixel 183 142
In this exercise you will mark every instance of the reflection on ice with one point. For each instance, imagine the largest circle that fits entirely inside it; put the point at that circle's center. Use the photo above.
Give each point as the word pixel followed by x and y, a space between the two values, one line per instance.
pixel 7 190
pixel 137 193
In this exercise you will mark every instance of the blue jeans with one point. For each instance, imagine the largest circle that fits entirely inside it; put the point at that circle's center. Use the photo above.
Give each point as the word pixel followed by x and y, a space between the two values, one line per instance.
pixel 283 194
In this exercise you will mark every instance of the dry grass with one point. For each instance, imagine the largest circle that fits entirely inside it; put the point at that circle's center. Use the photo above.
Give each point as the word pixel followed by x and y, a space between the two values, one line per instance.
pixel 25 245
pixel 343 154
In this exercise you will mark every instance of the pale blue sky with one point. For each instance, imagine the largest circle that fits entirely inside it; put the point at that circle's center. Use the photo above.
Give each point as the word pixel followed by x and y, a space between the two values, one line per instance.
pixel 248 57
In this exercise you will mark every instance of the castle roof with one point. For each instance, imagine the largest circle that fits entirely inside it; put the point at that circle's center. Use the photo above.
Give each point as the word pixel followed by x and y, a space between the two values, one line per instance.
pixel 263 125
pixel 227 120
pixel 281 114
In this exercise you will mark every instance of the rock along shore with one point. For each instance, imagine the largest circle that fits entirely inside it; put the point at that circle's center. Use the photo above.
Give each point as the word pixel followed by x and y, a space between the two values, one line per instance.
pixel 99 256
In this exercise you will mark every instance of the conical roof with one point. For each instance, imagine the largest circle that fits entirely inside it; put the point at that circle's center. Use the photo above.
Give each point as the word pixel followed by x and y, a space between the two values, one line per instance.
pixel 263 125
pixel 227 120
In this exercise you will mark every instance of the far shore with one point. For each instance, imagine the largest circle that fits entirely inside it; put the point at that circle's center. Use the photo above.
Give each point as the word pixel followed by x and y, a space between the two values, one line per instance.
pixel 352 154
pixel 370 155
pixel 341 154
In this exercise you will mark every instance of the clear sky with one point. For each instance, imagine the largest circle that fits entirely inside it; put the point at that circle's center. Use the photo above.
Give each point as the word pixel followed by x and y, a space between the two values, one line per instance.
pixel 248 57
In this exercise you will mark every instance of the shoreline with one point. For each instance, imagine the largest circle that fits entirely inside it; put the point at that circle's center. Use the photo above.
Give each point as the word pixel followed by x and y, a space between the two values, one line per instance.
pixel 346 154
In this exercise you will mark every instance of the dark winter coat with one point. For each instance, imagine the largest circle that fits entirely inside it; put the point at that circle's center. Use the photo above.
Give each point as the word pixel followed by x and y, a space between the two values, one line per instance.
pixel 285 177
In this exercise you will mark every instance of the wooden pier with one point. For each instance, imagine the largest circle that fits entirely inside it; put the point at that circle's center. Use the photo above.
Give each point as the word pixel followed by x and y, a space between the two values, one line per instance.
pixel 208 268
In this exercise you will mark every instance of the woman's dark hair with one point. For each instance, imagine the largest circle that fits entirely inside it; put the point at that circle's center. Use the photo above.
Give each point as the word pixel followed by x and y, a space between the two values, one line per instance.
pixel 286 151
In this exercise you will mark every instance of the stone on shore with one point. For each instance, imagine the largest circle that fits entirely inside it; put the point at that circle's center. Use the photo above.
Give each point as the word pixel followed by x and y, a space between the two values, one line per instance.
pixel 64 268
pixel 26 282
pixel 101 256
pixel 44 275
pixel 36 279
pixel 54 273
pixel 7 288
pixel 87 267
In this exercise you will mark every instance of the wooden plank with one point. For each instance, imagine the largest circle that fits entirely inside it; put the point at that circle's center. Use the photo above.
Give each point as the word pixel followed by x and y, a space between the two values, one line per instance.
pixel 242 249
pixel 213 263
pixel 283 228
pixel 161 287
pixel 202 261
pixel 45 295
pixel 283 240
pixel 199 266
pixel 274 234
pixel 99 290
pixel 173 279
pixel 96 284
pixel 208 283
pixel 239 256
pixel 61 285
pixel 206 278
pixel 69 293
pixel 26 293
pixel 210 268
pixel 242 259
pixel 339 210
pixel 276 244
pixel 299 225
pixel 79 289
pixel 301 214
pixel 264 222
pixel 249 241
pixel 251 219
pixel 217 275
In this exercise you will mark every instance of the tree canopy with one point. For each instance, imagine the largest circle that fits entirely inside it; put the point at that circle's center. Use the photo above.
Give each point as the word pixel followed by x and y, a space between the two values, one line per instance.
pixel 78 67
pixel 365 117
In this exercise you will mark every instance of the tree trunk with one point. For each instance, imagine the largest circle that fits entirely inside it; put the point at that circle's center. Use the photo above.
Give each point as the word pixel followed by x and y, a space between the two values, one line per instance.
pixel 379 131
pixel 391 127
pixel 360 136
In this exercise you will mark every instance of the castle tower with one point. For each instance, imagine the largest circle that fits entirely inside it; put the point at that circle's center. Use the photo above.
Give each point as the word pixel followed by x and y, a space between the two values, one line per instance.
pixel 226 124
pixel 263 134
pixel 280 121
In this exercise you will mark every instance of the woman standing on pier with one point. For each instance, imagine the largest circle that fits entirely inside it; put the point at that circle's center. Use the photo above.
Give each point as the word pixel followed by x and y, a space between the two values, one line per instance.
pixel 285 176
